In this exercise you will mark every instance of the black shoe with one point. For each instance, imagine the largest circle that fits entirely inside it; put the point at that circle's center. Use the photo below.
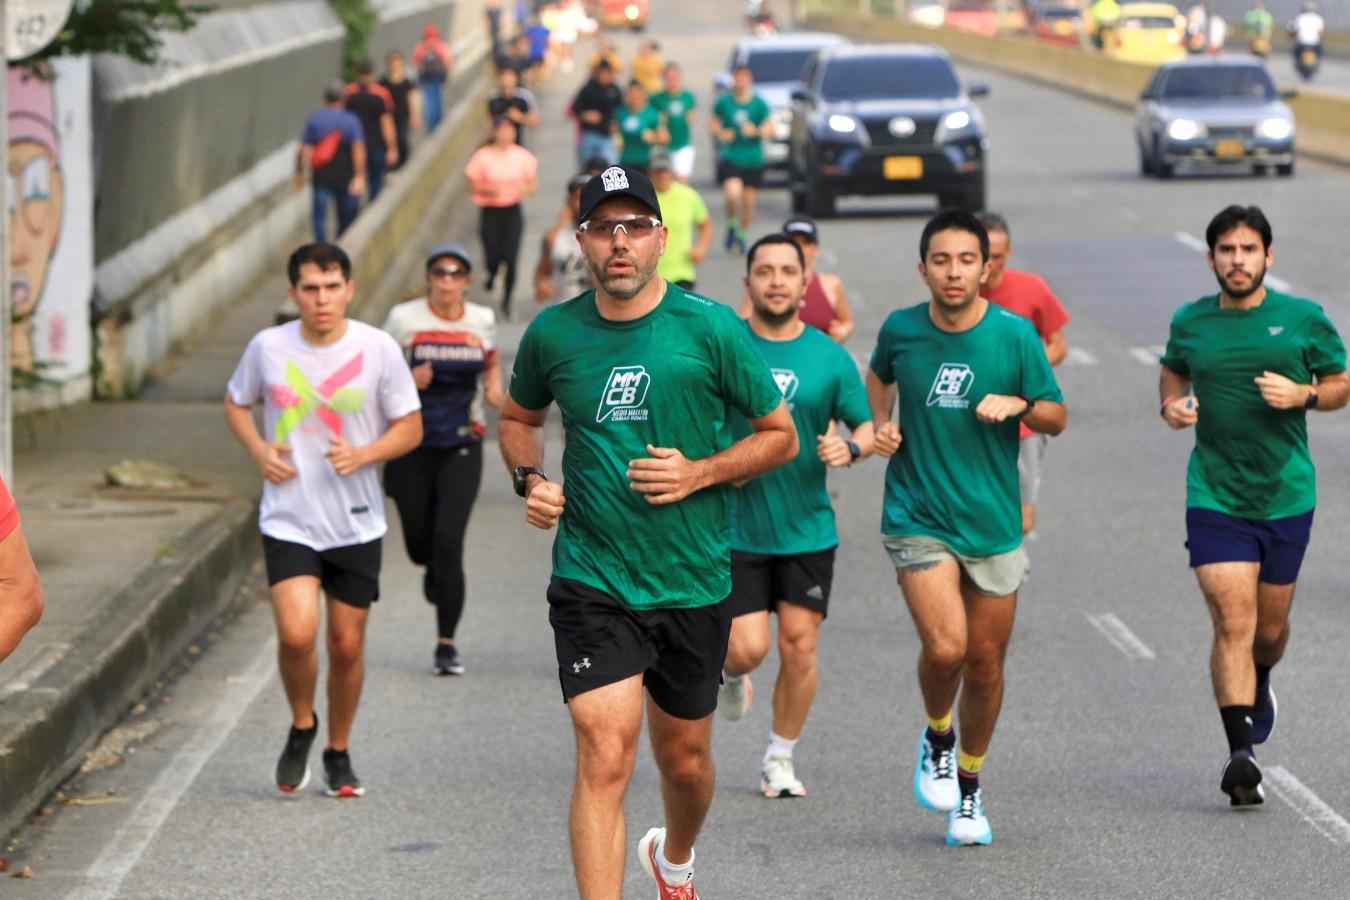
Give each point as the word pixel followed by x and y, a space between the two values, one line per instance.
pixel 448 661
pixel 1263 716
pixel 1242 780
pixel 337 771
pixel 293 766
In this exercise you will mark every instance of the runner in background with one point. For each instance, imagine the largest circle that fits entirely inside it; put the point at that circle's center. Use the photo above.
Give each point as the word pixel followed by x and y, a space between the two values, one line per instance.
pixel 677 105
pixel 563 272
pixel 739 120
pixel 689 228
pixel 825 303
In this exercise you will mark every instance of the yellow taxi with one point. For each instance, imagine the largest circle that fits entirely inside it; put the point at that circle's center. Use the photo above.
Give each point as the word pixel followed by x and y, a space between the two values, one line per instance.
pixel 1151 33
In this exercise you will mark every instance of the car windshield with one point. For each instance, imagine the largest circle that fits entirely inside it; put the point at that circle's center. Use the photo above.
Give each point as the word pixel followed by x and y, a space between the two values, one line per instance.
pixel 1135 22
pixel 778 65
pixel 1218 83
pixel 889 78
pixel 1059 13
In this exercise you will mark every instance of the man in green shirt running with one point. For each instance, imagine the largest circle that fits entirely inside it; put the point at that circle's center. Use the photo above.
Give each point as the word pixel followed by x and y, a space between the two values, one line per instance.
pixel 639 126
pixel 1243 366
pixel 967 372
pixel 677 107
pixel 783 543
pixel 739 121
pixel 644 374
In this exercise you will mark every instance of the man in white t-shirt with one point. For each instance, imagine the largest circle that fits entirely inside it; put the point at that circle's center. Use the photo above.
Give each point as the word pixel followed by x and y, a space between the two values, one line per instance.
pixel 1309 27
pixel 337 400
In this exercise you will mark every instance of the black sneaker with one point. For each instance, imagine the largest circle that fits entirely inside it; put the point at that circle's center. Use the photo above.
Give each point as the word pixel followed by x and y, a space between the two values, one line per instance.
pixel 448 661
pixel 1242 780
pixel 337 771
pixel 1263 716
pixel 293 766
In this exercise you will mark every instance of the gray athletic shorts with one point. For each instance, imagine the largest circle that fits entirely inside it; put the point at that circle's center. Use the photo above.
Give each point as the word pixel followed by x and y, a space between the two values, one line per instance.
pixel 1029 457
pixel 995 576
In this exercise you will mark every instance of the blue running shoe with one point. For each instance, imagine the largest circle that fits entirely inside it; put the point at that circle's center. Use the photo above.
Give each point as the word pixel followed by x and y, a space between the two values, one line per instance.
pixel 967 826
pixel 935 784
pixel 730 240
pixel 1263 717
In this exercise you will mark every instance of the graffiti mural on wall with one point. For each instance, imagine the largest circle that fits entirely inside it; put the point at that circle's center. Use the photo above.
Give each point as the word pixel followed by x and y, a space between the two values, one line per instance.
pixel 49 196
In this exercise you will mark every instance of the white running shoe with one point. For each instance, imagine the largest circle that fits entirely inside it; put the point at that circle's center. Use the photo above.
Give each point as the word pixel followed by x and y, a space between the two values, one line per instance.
pixel 664 889
pixel 967 825
pixel 733 697
pixel 935 784
pixel 778 779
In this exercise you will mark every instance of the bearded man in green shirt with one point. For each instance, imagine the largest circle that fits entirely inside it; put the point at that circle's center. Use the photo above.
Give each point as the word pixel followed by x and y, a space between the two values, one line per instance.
pixel 967 372
pixel 1243 366
pixel 645 374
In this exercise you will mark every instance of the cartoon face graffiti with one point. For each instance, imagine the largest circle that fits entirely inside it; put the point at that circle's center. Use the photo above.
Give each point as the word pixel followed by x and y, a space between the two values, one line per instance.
pixel 35 195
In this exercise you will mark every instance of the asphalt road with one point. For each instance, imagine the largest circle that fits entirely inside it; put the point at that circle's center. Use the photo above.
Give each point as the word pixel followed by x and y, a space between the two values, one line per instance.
pixel 1103 776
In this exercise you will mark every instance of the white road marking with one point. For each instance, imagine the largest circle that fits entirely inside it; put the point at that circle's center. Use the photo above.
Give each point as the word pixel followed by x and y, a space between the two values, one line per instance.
pixel 50 657
pixel 1120 635
pixel 1191 241
pixel 1079 357
pixel 1149 355
pixel 1308 805
pixel 103 880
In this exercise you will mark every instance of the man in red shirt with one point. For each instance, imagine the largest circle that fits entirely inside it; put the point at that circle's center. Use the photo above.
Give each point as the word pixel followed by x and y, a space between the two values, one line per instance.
pixel 20 592
pixel 1030 297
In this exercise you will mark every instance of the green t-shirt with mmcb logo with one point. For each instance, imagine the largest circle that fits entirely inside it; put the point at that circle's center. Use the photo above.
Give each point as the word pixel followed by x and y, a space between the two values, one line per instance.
pixel 667 379
pixel 954 477
pixel 1250 459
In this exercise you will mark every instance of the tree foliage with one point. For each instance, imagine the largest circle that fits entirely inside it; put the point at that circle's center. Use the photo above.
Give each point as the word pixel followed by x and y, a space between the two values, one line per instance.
pixel 129 28
pixel 359 20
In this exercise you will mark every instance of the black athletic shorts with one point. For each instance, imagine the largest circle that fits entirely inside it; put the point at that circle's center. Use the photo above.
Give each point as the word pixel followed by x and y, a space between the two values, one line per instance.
pixel 759 581
pixel 750 176
pixel 599 641
pixel 347 574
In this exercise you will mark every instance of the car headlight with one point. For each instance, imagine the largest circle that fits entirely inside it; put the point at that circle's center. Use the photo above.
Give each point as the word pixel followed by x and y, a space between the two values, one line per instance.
pixel 631 12
pixel 955 121
pixel 842 124
pixel 1275 129
pixel 1185 130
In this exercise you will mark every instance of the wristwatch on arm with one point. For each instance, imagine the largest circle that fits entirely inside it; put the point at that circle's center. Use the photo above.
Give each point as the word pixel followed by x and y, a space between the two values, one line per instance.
pixel 1311 402
pixel 520 477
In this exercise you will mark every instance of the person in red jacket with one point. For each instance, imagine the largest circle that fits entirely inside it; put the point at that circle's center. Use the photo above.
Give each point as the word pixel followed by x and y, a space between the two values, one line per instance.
pixel 20 591
pixel 433 60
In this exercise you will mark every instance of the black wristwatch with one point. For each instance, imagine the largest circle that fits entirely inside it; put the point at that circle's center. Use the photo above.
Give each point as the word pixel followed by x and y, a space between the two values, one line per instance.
pixel 1311 402
pixel 520 477
pixel 1030 404
pixel 854 451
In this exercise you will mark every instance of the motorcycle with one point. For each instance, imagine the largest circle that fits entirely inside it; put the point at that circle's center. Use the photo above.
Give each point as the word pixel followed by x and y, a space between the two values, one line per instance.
pixel 1307 57
pixel 1258 46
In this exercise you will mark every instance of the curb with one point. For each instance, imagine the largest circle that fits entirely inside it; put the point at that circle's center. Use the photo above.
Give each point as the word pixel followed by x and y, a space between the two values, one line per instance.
pixel 46 731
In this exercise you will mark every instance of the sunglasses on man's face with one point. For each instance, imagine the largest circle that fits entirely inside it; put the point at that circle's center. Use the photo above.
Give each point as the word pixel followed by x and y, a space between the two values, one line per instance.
pixel 449 272
pixel 633 226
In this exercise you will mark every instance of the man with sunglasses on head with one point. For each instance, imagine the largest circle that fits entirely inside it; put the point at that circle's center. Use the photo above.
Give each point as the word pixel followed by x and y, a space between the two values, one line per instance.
pixel 645 374
pixel 451 345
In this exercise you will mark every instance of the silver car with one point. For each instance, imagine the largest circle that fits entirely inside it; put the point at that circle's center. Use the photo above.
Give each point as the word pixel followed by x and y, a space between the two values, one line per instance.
pixel 1218 110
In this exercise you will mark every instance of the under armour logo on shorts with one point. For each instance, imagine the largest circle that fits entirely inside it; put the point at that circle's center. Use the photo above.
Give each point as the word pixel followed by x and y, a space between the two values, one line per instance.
pixel 578 666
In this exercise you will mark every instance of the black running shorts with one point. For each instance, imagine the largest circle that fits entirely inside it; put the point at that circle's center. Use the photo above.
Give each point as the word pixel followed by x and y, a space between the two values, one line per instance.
pixel 750 176
pixel 759 581
pixel 599 641
pixel 350 575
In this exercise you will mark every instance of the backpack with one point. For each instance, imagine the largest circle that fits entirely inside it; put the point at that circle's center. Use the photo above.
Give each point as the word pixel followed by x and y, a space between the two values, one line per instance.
pixel 433 66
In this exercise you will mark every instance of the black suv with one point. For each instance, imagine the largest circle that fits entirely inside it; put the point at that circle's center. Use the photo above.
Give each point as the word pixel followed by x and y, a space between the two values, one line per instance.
pixel 885 119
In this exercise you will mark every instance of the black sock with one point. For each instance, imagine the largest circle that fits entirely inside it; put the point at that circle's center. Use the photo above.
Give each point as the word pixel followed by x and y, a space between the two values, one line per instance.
pixel 1237 725
pixel 944 739
pixel 1262 683
pixel 969 781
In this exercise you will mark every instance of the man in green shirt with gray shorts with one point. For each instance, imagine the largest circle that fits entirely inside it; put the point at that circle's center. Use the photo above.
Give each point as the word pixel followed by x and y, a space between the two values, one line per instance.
pixel 645 375
pixel 1243 366
pixel 783 543
pixel 967 372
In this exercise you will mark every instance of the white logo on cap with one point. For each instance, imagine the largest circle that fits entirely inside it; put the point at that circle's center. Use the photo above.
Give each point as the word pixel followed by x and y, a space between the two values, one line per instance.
pixel 614 179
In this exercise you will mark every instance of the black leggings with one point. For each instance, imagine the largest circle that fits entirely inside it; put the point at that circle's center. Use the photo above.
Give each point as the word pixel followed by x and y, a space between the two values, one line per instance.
pixel 434 491
pixel 500 228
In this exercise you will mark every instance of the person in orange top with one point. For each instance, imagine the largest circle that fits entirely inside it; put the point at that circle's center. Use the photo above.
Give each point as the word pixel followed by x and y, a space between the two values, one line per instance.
pixel 502 174
pixel 1031 298
pixel 20 591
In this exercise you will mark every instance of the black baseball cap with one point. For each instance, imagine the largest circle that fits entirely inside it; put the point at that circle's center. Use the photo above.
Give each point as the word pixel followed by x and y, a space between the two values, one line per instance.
pixel 618 181
pixel 801 225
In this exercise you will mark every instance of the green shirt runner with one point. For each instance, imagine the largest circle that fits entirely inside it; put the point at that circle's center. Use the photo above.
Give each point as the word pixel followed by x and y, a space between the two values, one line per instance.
pixel 788 511
pixel 954 477
pixel 745 152
pixel 674 109
pixel 682 212
pixel 636 151
pixel 1250 459
pixel 668 379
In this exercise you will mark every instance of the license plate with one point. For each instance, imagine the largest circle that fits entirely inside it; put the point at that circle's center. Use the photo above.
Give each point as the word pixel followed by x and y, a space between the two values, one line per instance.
pixel 1229 148
pixel 902 168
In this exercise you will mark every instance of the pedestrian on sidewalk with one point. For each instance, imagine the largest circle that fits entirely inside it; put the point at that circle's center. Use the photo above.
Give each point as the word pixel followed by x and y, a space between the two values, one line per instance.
pixel 20 590
pixel 407 104
pixel 594 107
pixel 562 272
pixel 514 102
pixel 641 557
pixel 374 106
pixel 451 346
pixel 338 399
pixel 433 60
pixel 333 149
pixel 502 174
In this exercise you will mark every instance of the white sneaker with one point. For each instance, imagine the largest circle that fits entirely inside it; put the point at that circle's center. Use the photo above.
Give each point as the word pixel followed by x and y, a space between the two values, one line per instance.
pixel 935 784
pixel 967 825
pixel 777 779
pixel 664 889
pixel 733 697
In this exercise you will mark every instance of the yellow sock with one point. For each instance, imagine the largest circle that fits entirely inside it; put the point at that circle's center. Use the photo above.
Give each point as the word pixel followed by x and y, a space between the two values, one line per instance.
pixel 940 725
pixel 968 763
